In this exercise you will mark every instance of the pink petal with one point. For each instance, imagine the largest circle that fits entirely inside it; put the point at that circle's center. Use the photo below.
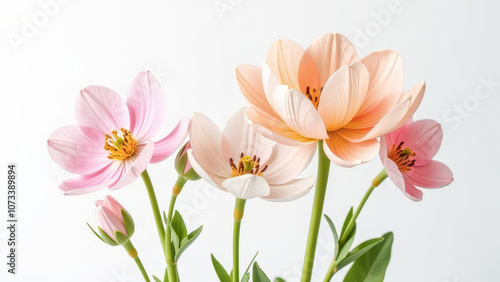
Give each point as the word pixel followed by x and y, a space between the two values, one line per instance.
pixel 291 190
pixel 166 146
pixel 287 162
pixel 283 57
pixel 270 82
pixel 432 175
pixel 309 79
pixel 399 180
pixel 249 79
pixel 298 112
pixel 423 137
pixel 247 186
pixel 101 108
pixel 342 95
pixel 84 184
pixel 146 104
pixel 206 142
pixel 275 130
pixel 386 79
pixel 330 52
pixel 349 153
pixel 109 223
pixel 77 152
pixel 113 205
pixel 243 138
pixel 135 166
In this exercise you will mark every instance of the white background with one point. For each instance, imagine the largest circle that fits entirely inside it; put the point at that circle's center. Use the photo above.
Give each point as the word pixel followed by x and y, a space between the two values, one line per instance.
pixel 193 48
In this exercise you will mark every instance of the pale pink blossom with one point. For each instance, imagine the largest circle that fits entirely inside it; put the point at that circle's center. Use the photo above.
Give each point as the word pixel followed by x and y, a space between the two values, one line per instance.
pixel 109 217
pixel 112 143
pixel 246 164
pixel 407 155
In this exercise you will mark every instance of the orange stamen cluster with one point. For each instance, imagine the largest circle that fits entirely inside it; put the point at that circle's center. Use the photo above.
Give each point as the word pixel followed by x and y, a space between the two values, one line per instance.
pixel 404 158
pixel 120 148
pixel 313 95
pixel 246 165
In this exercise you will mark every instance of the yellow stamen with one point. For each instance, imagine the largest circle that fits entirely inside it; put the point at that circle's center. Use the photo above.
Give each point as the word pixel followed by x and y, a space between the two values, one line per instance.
pixel 246 165
pixel 120 148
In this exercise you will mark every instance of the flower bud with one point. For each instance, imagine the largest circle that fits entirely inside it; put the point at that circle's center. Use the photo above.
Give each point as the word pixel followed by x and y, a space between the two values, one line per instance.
pixel 182 165
pixel 114 223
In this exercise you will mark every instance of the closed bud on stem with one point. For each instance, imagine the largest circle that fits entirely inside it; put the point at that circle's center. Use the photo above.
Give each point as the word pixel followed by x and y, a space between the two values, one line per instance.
pixel 182 165
pixel 115 225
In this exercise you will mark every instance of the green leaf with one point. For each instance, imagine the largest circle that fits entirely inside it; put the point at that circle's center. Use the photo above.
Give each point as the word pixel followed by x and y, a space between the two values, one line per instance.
pixel 345 249
pixel 175 239
pixel 121 238
pixel 129 223
pixel 258 274
pixel 179 226
pixel 335 236
pixel 187 242
pixel 95 233
pixel 358 251
pixel 372 265
pixel 246 277
pixel 219 269
pixel 346 221
pixel 157 279
pixel 106 238
pixel 248 267
pixel 279 279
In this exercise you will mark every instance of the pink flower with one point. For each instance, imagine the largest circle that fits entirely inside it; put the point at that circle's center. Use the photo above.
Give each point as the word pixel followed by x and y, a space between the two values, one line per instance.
pixel 110 218
pixel 246 164
pixel 111 145
pixel 407 157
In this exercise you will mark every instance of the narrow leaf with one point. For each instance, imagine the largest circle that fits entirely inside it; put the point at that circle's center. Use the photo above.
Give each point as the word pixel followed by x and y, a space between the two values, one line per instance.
pixel 258 274
pixel 346 221
pixel 250 264
pixel 188 241
pixel 220 271
pixel 279 279
pixel 359 251
pixel 95 233
pixel 335 236
pixel 179 226
pixel 157 279
pixel 372 265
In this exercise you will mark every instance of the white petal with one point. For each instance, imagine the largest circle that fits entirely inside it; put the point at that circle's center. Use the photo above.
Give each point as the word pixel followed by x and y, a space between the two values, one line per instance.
pixel 206 143
pixel 247 186
pixel 291 190
pixel 212 179
pixel 287 162
pixel 243 138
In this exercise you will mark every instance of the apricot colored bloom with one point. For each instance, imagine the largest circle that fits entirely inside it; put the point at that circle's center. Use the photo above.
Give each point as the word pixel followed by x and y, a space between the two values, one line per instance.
pixel 244 163
pixel 407 157
pixel 112 143
pixel 326 92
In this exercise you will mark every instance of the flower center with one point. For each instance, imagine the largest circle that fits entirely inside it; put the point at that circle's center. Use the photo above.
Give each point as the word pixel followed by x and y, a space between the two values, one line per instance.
pixel 246 165
pixel 120 148
pixel 404 158
pixel 313 95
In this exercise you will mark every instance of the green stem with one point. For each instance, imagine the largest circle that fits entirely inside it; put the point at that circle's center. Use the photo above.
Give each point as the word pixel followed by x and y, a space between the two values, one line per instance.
pixel 239 208
pixel 376 182
pixel 331 270
pixel 132 252
pixel 317 210
pixel 154 206
pixel 171 271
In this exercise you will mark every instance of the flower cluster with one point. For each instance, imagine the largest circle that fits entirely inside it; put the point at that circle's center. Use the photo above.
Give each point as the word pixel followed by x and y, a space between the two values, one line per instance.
pixel 323 96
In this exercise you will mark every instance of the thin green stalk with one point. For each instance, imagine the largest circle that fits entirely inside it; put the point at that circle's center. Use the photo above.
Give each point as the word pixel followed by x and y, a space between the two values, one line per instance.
pixel 132 252
pixel 317 210
pixel 239 208
pixel 376 182
pixel 154 206
pixel 171 271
